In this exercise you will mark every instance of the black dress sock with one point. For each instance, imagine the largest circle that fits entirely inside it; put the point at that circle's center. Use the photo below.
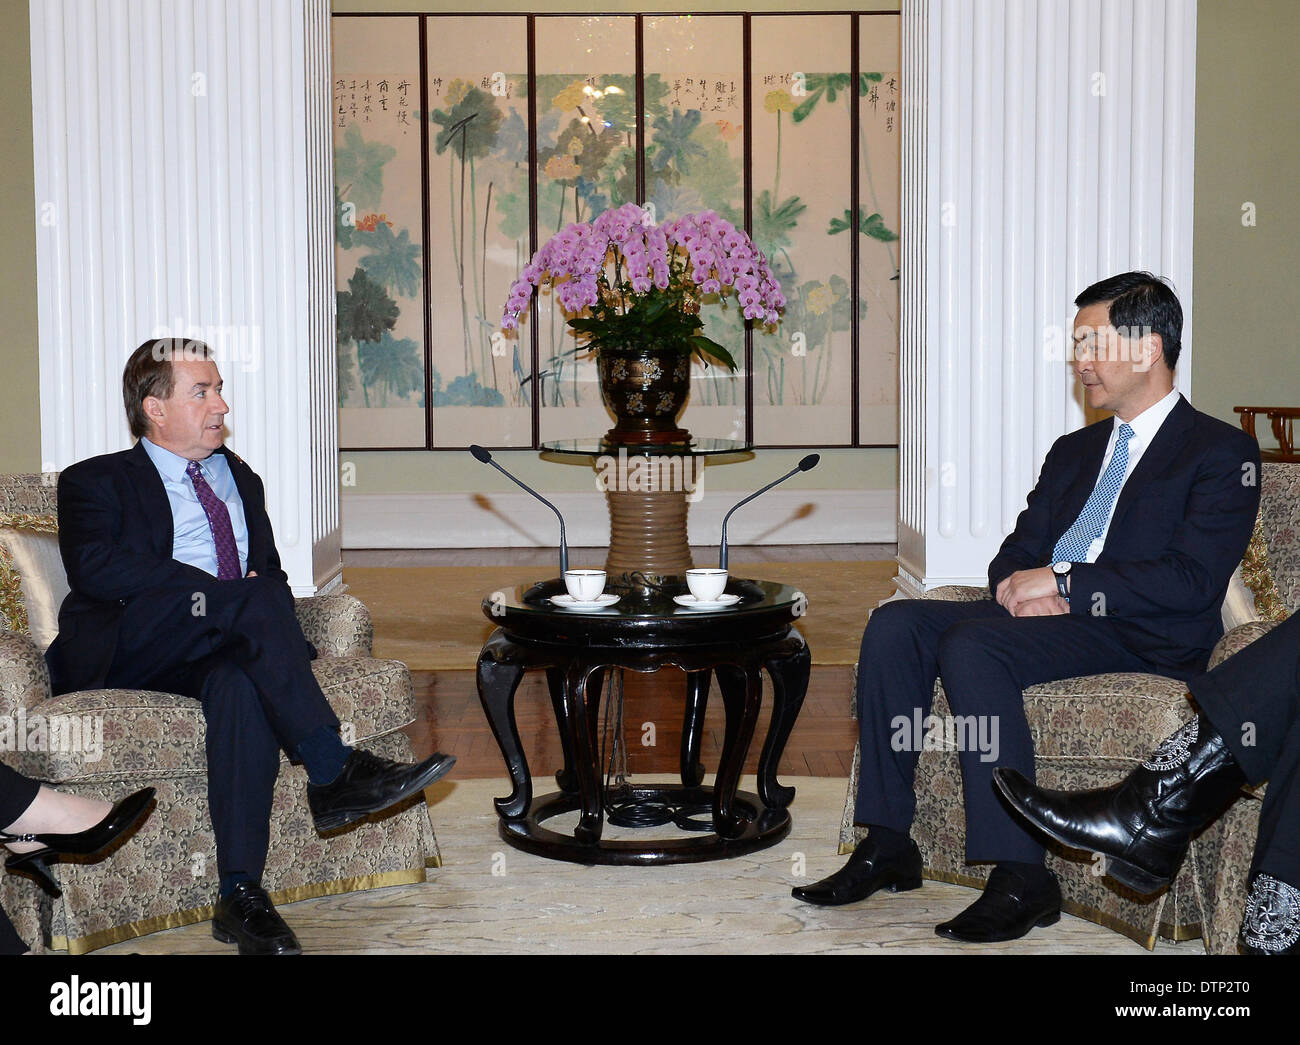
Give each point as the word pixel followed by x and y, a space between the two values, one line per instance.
pixel 888 840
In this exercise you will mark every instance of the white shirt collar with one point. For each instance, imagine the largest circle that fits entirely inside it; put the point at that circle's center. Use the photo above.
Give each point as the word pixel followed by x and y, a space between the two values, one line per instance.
pixel 171 466
pixel 1146 424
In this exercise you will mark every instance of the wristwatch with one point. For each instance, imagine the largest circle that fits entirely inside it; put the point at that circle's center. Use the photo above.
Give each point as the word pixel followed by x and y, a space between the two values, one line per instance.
pixel 1062 571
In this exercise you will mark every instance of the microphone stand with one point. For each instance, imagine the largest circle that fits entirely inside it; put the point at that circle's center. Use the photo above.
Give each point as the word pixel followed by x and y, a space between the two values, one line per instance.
pixel 481 455
pixel 805 465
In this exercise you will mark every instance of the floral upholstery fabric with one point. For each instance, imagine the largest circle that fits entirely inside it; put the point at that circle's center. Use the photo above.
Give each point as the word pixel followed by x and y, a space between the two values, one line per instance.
pixel 30 494
pixel 338 625
pixel 144 733
pixel 1088 732
pixel 1091 732
pixel 1279 520
pixel 165 874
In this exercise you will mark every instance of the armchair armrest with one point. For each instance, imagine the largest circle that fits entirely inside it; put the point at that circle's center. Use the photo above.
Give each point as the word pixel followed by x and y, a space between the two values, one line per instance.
pixel 1239 638
pixel 958 593
pixel 24 677
pixel 337 625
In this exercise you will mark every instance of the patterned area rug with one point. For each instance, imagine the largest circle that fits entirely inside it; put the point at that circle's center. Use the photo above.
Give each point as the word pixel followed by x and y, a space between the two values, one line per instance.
pixel 430 616
pixel 488 898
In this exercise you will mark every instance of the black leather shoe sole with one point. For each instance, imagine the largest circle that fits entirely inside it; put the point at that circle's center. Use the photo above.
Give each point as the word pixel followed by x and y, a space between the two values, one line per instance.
pixel 250 946
pixel 1010 933
pixel 1136 878
pixel 339 818
pixel 867 872
pixel 898 884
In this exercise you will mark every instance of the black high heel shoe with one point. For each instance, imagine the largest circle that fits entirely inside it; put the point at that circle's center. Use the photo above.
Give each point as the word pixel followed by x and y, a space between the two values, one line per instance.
pixel 121 818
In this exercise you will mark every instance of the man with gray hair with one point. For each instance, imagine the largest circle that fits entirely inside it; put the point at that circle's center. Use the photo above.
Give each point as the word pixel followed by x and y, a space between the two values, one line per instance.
pixel 143 533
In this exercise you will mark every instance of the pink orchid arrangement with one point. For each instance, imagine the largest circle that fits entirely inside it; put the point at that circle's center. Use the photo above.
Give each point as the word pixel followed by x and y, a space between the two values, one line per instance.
pixel 628 283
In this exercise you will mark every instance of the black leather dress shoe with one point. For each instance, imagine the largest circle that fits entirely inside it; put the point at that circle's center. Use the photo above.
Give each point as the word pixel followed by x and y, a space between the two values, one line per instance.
pixel 865 873
pixel 1008 908
pixel 1272 921
pixel 247 917
pixel 368 784
pixel 1143 824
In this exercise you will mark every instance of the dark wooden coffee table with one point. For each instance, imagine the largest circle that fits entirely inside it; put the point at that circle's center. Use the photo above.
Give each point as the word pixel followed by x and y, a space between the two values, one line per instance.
pixel 646 631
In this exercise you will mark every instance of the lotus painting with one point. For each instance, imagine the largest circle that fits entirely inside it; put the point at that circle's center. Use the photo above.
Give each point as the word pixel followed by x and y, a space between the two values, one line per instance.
pixel 453 164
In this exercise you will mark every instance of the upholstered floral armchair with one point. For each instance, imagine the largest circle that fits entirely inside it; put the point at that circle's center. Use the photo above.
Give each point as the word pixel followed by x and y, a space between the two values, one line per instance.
pixel 165 874
pixel 1092 731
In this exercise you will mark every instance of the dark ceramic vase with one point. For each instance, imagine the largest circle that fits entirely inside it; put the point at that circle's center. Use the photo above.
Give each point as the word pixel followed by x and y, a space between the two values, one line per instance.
pixel 646 390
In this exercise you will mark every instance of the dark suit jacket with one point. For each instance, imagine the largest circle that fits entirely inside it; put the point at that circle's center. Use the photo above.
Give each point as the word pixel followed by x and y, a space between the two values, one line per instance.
pixel 1180 526
pixel 115 537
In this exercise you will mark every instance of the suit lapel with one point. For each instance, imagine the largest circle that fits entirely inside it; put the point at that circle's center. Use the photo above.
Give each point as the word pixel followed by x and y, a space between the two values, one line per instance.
pixel 1157 457
pixel 1080 489
pixel 153 498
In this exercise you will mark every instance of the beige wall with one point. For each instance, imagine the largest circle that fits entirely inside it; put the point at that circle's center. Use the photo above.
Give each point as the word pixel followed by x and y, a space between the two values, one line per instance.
pixel 1247 149
pixel 1246 351
pixel 20 418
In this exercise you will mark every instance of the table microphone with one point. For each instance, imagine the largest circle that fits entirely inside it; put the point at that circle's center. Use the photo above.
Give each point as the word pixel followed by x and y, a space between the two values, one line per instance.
pixel 805 465
pixel 483 457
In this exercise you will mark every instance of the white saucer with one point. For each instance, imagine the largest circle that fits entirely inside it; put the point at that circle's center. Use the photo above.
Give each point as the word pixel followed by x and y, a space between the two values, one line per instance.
pixel 692 603
pixel 568 602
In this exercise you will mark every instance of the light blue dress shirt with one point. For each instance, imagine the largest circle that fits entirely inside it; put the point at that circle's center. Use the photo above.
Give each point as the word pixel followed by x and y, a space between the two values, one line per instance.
pixel 192 540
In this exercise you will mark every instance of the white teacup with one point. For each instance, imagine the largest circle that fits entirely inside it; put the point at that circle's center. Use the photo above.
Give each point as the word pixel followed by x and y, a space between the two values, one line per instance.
pixel 584 585
pixel 707 584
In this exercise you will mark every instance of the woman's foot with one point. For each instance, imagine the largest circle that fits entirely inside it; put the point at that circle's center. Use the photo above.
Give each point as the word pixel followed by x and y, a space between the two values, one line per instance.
pixel 56 812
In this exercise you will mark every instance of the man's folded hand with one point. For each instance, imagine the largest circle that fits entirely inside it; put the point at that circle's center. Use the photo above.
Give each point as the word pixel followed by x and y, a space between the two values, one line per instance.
pixel 1026 586
pixel 1047 606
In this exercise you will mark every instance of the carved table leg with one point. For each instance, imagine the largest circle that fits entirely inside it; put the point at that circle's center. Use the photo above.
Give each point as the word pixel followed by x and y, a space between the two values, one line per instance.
pixel 742 690
pixel 697 702
pixel 789 673
pixel 565 778
pixel 497 683
pixel 577 723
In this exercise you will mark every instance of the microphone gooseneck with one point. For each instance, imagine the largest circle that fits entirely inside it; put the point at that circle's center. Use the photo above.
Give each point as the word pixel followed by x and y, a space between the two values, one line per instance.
pixel 807 464
pixel 483 457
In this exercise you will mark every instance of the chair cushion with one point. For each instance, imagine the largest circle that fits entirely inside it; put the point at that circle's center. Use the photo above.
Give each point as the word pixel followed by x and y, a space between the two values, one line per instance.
pixel 1101 717
pixel 32 582
pixel 1239 603
pixel 126 734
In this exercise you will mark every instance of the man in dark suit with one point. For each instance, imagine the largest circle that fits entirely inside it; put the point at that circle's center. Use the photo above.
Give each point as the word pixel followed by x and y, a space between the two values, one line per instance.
pixel 1247 730
pixel 176 586
pixel 1119 562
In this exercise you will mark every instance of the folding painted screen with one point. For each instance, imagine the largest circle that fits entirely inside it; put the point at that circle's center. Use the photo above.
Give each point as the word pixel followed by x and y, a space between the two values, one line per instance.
pixel 787 125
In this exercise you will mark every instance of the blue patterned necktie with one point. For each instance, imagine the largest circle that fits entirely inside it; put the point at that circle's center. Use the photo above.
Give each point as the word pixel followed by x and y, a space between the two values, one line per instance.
pixel 1074 543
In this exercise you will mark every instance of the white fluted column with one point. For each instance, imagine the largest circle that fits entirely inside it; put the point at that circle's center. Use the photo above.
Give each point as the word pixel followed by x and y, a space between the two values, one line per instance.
pixel 183 187
pixel 1046 145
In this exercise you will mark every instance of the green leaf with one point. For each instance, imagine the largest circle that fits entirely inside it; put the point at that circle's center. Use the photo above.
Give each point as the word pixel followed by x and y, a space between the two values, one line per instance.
pixel 360 165
pixel 773 223
pixel 706 346
pixel 874 226
pixel 394 261
pixel 470 128
pixel 365 312
pixel 805 109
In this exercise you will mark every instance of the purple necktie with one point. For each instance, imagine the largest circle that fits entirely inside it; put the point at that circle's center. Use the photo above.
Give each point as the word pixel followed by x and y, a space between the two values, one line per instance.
pixel 219 520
